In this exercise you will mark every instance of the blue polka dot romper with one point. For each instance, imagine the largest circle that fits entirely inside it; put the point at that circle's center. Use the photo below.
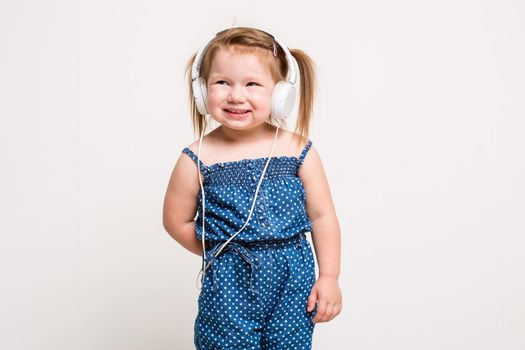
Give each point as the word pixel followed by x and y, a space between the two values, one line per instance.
pixel 255 291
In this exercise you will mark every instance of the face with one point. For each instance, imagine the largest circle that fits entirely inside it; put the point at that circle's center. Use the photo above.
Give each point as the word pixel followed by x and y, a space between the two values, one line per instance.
pixel 239 90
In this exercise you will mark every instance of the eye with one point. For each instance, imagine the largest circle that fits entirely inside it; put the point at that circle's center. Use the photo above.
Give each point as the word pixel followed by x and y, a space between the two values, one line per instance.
pixel 252 83
pixel 221 82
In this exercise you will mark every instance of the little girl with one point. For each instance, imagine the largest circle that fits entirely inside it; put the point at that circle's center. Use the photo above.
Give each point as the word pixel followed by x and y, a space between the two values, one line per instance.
pixel 256 189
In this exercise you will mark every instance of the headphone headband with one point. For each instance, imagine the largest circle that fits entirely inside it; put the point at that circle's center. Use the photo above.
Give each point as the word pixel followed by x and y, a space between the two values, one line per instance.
pixel 292 73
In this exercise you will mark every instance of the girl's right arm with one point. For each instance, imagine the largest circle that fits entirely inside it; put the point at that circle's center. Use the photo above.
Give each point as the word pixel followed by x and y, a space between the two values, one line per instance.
pixel 180 204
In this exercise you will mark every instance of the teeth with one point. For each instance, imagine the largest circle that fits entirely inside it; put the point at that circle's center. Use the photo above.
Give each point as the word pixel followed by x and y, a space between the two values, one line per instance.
pixel 237 111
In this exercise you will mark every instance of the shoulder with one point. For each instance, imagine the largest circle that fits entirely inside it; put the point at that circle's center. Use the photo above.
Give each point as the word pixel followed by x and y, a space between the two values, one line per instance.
pixel 292 143
pixel 192 149
pixel 310 162
pixel 188 156
pixel 192 146
pixel 183 182
pixel 209 139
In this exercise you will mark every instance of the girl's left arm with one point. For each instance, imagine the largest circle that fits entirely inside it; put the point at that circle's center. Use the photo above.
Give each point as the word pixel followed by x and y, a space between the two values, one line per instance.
pixel 326 238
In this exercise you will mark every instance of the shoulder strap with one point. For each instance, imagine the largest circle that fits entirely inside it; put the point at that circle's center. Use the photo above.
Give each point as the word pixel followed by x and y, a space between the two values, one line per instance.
pixel 304 152
pixel 193 156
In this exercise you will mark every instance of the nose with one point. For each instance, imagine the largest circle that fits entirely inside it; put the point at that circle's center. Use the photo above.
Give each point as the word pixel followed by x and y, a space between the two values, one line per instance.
pixel 236 94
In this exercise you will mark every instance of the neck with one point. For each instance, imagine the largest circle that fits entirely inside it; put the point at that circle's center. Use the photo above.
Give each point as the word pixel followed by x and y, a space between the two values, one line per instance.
pixel 246 136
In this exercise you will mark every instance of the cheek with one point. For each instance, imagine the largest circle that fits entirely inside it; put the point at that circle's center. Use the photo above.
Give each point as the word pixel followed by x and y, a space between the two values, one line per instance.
pixel 263 100
pixel 215 95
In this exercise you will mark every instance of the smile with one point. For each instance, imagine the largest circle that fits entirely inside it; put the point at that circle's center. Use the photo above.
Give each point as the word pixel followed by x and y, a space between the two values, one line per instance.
pixel 237 113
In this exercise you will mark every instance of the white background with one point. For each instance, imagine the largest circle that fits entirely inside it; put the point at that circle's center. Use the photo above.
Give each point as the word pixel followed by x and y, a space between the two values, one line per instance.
pixel 419 122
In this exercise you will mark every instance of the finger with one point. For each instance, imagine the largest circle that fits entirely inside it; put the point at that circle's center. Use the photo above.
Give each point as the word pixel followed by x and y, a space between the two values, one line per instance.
pixel 311 300
pixel 337 309
pixel 329 314
pixel 321 309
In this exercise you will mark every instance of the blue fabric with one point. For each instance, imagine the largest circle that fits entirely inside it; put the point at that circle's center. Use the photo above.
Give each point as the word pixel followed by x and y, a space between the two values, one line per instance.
pixel 229 187
pixel 254 294
pixel 255 297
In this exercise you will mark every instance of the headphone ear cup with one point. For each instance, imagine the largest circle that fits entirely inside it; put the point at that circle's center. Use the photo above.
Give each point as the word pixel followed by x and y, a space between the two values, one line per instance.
pixel 283 100
pixel 200 94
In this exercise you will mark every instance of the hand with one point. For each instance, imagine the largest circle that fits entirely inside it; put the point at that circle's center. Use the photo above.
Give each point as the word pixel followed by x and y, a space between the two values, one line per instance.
pixel 327 294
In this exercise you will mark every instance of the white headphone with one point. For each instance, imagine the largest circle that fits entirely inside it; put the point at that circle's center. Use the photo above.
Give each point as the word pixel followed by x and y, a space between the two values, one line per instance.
pixel 283 95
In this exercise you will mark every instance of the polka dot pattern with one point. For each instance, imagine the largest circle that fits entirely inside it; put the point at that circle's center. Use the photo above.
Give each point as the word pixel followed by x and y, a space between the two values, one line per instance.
pixel 254 295
pixel 279 212
pixel 272 316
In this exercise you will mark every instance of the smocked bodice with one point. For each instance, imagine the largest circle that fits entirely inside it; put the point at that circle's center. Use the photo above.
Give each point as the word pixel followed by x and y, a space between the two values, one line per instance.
pixel 280 210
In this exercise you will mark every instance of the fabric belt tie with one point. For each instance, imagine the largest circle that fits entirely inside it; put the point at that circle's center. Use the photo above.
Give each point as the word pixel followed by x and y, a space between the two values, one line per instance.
pixel 251 259
pixel 240 248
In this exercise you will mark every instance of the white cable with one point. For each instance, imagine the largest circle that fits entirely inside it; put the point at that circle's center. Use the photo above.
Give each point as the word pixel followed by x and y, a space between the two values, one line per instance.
pixel 206 266
pixel 254 198
pixel 203 270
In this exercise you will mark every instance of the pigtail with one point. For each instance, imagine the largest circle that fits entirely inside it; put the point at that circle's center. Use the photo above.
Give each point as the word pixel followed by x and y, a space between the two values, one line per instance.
pixel 306 91
pixel 197 120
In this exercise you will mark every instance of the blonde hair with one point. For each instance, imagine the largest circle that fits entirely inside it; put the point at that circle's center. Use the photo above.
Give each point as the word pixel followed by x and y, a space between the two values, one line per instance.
pixel 245 40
